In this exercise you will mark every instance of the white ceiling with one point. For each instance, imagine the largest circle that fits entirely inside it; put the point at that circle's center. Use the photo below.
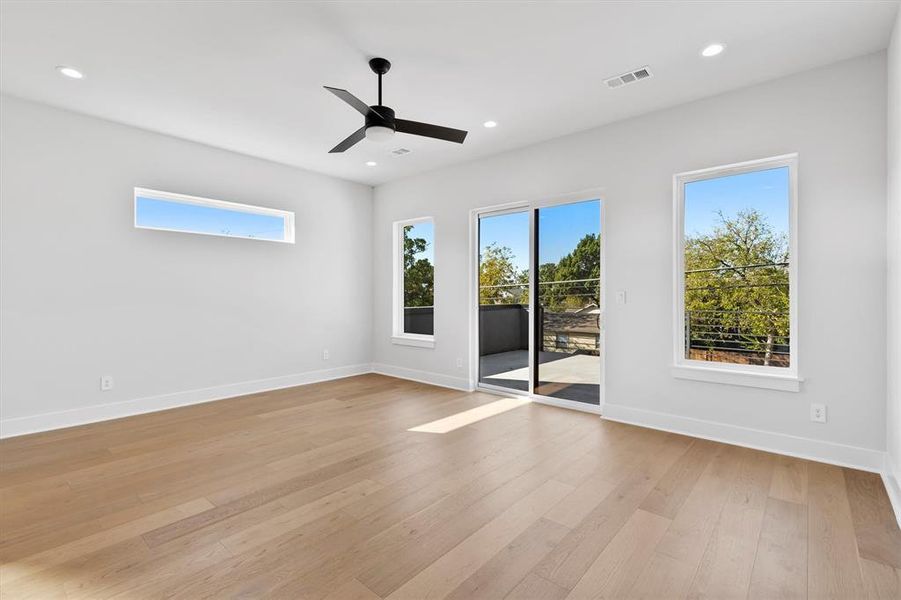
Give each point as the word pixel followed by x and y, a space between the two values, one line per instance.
pixel 248 76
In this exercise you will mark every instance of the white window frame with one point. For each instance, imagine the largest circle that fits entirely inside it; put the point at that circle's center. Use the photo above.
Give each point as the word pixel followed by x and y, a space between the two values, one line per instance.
pixel 777 378
pixel 288 216
pixel 398 336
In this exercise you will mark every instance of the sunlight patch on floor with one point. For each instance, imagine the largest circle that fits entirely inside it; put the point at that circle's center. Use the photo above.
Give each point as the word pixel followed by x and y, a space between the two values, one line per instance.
pixel 468 417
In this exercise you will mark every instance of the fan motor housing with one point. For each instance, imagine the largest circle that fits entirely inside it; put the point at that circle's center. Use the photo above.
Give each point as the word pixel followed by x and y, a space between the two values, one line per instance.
pixel 386 120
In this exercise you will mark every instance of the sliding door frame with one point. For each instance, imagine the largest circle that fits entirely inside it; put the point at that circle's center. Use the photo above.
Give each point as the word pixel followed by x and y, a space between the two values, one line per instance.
pixel 532 206
pixel 474 331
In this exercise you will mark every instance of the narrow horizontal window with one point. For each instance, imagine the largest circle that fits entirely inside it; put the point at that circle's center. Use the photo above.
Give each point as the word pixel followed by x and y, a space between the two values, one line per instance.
pixel 166 211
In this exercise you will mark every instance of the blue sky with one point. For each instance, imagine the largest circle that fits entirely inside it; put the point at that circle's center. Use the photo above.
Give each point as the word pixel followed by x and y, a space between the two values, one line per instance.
pixel 426 231
pixel 560 229
pixel 510 230
pixel 766 191
pixel 165 214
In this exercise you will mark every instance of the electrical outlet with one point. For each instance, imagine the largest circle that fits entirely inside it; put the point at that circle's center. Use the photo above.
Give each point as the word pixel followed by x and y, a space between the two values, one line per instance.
pixel 106 383
pixel 818 413
pixel 459 363
pixel 325 355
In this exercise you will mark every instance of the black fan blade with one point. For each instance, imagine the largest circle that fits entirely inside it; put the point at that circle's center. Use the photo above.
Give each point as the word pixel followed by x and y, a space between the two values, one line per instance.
pixel 358 104
pixel 350 140
pixel 429 130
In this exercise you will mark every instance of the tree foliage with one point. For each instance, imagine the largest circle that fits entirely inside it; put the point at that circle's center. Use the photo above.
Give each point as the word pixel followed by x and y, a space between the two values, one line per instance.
pixel 583 263
pixel 736 285
pixel 419 273
pixel 500 282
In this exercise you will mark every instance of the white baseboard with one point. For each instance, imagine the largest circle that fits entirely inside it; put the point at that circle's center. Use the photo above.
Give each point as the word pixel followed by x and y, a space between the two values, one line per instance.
pixel 455 383
pixel 891 478
pixel 128 408
pixel 842 455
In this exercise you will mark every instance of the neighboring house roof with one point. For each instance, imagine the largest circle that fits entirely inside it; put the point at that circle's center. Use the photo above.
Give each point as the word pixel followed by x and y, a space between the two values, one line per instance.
pixel 571 323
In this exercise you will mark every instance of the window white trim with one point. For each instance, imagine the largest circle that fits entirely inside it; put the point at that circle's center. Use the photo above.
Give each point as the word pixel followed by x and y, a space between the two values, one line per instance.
pixel 777 378
pixel 398 336
pixel 416 340
pixel 785 383
pixel 288 216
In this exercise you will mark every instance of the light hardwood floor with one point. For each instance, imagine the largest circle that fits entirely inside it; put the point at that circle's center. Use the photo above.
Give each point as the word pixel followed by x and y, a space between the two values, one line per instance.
pixel 321 492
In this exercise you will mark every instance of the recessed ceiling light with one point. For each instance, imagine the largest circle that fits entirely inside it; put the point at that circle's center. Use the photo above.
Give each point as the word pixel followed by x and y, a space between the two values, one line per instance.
pixel 70 72
pixel 371 163
pixel 490 124
pixel 712 50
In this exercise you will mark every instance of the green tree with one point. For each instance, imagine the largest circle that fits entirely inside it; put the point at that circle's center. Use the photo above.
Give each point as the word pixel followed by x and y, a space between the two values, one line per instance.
pixel 583 263
pixel 736 285
pixel 419 273
pixel 499 280
pixel 501 283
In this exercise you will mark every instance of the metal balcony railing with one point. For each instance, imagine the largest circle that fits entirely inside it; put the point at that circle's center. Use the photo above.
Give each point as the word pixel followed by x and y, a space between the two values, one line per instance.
pixel 548 291
pixel 756 332
pixel 566 322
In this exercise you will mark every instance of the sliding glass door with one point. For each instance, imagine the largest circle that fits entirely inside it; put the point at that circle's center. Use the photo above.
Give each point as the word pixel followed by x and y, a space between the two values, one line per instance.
pixel 567 320
pixel 540 306
pixel 504 299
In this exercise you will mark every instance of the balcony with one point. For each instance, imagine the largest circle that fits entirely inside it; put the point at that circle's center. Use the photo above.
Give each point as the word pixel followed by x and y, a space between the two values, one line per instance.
pixel 568 351
pixel 419 320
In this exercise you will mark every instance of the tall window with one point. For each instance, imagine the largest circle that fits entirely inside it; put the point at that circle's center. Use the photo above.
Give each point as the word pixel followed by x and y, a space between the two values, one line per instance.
pixel 414 297
pixel 735 267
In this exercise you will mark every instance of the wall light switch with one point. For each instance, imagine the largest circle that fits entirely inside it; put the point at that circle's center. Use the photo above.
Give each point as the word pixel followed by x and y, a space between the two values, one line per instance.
pixel 621 297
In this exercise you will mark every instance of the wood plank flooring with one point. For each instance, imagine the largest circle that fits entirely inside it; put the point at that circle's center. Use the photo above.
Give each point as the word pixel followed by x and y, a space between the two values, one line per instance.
pixel 320 492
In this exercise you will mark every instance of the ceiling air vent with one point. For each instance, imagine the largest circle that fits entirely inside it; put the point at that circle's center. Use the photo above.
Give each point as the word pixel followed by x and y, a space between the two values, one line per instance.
pixel 400 151
pixel 630 77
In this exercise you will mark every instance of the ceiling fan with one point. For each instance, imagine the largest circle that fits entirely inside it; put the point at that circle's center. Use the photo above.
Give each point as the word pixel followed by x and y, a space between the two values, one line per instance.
pixel 380 124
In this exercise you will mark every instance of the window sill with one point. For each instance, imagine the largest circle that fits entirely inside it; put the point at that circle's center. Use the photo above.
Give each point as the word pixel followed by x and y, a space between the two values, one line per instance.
pixel 770 381
pixel 418 341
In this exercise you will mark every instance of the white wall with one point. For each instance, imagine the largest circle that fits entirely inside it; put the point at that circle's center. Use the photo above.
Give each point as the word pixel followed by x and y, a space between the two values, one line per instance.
pixel 833 116
pixel 894 262
pixel 179 318
pixel 85 293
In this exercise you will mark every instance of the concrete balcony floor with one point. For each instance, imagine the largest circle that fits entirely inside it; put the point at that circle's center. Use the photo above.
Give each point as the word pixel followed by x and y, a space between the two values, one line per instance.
pixel 561 375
